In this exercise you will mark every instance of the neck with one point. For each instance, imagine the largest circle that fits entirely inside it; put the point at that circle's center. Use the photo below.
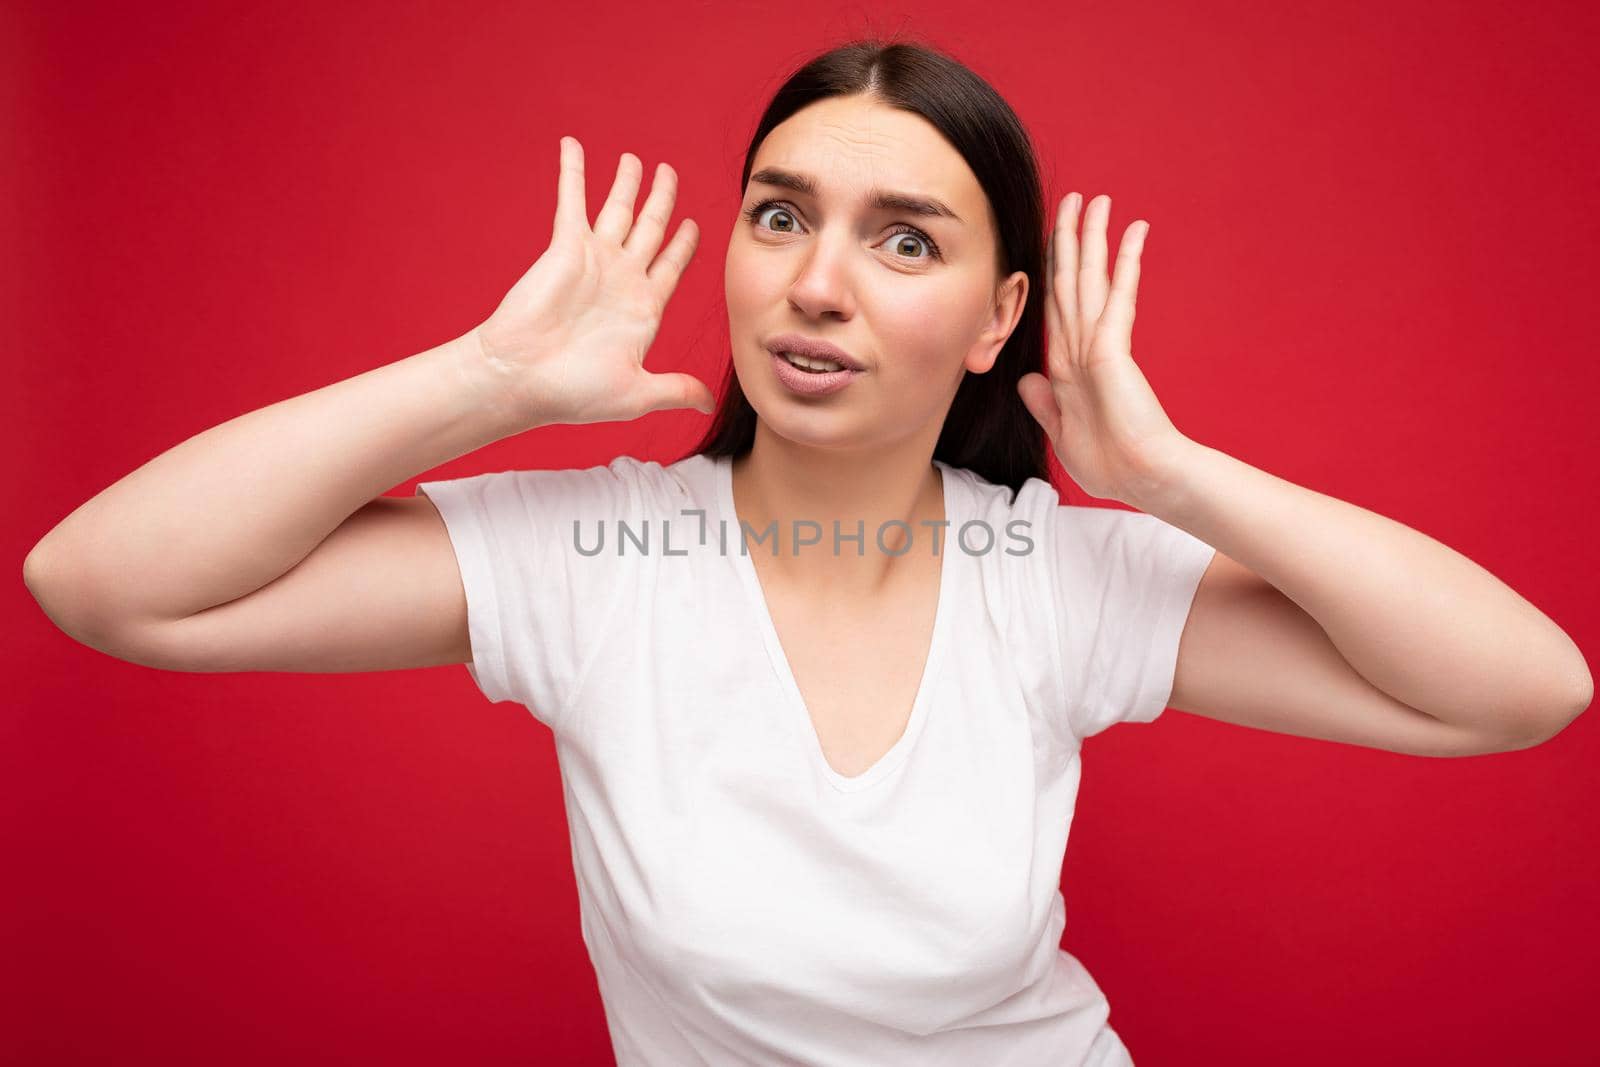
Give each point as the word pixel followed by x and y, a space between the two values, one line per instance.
pixel 780 481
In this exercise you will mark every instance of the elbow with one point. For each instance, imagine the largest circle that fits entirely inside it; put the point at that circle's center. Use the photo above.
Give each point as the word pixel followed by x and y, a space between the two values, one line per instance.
pixel 1582 698
pixel 1536 730
pixel 33 569
pixel 38 575
pixel 69 609
pixel 76 609
pixel 1585 694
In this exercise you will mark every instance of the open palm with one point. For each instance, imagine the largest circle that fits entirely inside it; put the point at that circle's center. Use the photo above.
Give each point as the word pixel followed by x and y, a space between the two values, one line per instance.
pixel 1103 419
pixel 570 336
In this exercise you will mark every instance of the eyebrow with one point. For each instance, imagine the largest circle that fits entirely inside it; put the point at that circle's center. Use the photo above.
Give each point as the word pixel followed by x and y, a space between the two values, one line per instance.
pixel 878 198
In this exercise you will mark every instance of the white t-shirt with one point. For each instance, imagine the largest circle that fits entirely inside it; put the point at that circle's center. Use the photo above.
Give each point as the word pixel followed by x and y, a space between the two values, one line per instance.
pixel 741 901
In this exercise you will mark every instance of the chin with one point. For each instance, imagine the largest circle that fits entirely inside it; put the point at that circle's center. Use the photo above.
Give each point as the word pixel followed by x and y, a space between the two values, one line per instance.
pixel 821 430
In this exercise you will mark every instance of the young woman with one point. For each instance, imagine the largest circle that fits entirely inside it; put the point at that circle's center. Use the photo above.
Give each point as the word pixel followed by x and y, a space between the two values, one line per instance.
pixel 818 785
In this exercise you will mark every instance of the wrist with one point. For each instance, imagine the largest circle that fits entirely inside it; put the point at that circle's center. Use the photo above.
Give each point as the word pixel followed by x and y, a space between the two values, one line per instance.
pixel 488 384
pixel 1165 476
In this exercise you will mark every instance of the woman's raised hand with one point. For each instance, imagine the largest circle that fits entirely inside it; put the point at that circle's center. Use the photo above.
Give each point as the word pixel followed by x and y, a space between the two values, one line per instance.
pixel 1104 422
pixel 568 341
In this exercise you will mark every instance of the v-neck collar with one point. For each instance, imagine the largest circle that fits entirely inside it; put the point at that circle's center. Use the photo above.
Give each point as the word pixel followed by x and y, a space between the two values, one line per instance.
pixel 751 581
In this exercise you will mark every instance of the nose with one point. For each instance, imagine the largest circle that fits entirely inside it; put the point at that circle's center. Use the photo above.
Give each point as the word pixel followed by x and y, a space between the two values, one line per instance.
pixel 823 285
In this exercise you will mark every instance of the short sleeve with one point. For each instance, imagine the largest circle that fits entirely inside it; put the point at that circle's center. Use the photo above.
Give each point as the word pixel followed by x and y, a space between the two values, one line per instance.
pixel 538 592
pixel 1123 583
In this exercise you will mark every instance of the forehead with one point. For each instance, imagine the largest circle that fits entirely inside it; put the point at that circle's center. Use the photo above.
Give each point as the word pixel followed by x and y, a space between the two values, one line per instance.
pixel 851 147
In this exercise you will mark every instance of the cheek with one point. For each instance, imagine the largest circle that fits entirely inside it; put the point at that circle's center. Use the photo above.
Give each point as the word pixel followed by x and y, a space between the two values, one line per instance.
pixel 732 275
pixel 747 287
pixel 928 328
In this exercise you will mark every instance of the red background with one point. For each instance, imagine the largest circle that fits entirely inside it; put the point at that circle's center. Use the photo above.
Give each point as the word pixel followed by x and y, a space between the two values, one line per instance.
pixel 1370 271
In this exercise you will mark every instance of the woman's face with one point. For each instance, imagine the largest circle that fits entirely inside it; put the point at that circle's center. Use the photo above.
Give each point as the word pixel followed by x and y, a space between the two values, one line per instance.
pixel 914 297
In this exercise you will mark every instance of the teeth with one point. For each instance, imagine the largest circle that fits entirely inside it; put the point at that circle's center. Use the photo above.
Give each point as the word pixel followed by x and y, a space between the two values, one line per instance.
pixel 811 364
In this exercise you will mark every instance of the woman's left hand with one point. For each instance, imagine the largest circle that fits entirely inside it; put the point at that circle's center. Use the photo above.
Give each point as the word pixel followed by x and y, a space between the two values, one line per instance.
pixel 1104 422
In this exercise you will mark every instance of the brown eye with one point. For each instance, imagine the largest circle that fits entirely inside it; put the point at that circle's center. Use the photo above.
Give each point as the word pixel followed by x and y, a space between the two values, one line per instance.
pixel 902 240
pixel 907 232
pixel 757 210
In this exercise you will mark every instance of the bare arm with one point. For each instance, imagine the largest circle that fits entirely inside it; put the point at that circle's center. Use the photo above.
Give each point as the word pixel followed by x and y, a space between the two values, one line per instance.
pixel 191 546
pixel 234 507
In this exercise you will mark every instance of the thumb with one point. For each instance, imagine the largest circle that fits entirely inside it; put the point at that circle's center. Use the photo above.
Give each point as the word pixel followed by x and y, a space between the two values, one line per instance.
pixel 1040 400
pixel 666 392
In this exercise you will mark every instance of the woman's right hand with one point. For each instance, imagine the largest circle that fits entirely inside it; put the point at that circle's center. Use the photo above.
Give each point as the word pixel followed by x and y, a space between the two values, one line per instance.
pixel 567 343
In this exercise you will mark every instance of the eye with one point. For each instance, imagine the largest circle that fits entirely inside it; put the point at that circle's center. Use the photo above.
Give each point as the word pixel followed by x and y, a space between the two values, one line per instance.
pixel 902 230
pixel 907 231
pixel 755 211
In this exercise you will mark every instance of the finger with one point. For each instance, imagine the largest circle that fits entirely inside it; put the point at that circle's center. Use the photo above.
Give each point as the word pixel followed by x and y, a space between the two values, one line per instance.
pixel 572 212
pixel 1117 318
pixel 1092 267
pixel 616 214
pixel 645 237
pixel 1052 314
pixel 1056 346
pixel 1065 283
pixel 669 266
pixel 665 392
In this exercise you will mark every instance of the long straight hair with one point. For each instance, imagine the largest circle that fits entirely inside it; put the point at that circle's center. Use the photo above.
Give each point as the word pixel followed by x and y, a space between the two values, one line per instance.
pixel 987 429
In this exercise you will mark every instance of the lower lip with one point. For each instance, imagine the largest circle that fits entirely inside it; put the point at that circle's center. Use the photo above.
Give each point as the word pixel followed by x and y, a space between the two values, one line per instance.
pixel 806 382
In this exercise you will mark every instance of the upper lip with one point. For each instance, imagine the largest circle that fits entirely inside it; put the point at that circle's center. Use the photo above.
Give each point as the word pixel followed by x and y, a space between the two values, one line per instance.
pixel 812 348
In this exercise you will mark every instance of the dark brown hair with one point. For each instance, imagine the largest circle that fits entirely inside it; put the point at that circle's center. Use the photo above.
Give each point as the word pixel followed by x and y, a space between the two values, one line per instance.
pixel 988 429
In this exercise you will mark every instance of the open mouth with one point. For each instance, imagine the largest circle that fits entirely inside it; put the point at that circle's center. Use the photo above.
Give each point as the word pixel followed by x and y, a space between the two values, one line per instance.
pixel 810 366
pixel 805 376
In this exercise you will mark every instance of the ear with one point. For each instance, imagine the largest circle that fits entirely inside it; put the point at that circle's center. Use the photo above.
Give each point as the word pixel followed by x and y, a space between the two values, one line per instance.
pixel 1011 296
